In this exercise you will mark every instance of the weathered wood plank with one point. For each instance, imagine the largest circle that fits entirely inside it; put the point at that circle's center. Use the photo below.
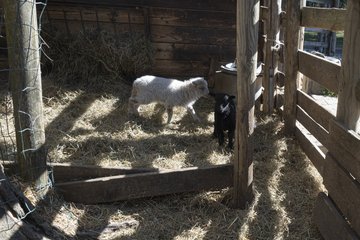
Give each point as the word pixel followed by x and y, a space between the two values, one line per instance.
pixel 189 18
pixel 345 147
pixel 194 35
pixel 348 110
pixel 213 5
pixel 331 19
pixel 123 187
pixel 317 112
pixel 184 69
pixel 96 14
pixel 330 221
pixel 313 152
pixel 247 18
pixel 193 52
pixel 344 190
pixel 64 172
pixel 313 127
pixel 294 39
pixel 320 70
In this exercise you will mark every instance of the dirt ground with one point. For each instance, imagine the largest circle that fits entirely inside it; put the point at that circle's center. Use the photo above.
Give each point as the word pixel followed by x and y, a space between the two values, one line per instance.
pixel 91 127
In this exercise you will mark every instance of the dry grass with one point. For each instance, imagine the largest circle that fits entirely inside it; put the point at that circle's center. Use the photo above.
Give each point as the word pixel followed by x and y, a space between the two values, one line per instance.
pixel 89 127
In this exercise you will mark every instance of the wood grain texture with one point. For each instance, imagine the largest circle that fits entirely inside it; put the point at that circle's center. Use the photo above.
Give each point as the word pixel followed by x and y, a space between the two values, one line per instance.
pixel 330 19
pixel 313 152
pixel 317 112
pixel 318 69
pixel 345 147
pixel 313 127
pixel 294 39
pixel 246 41
pixel 344 190
pixel 329 220
pixel 348 110
pixel 124 187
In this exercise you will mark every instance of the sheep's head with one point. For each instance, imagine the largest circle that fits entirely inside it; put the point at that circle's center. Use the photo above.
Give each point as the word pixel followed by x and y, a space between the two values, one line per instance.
pixel 200 84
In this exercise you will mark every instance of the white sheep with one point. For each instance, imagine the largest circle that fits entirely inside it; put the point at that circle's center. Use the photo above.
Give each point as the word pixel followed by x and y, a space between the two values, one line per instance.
pixel 168 92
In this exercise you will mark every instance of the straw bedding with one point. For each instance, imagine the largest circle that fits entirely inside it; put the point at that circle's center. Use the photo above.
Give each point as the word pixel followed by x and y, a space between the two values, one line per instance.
pixel 91 127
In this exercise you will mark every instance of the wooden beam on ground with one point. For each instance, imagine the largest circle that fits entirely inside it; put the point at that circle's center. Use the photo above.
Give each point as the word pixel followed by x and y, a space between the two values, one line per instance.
pixel 330 221
pixel 318 113
pixel 294 39
pixel 124 187
pixel 348 110
pixel 65 172
pixel 330 19
pixel 318 69
pixel 247 21
pixel 313 152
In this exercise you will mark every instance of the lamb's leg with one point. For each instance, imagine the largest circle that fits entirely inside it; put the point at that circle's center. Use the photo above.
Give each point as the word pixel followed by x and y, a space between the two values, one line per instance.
pixel 169 111
pixel 191 110
pixel 133 106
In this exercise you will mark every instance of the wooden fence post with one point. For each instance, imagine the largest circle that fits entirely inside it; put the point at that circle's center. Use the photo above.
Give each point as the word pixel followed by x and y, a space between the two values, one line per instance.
pixel 247 22
pixel 271 59
pixel 25 81
pixel 294 40
pixel 348 109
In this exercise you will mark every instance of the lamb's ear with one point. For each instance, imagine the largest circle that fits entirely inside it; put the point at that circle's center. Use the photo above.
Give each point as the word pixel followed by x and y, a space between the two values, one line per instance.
pixel 197 81
pixel 232 97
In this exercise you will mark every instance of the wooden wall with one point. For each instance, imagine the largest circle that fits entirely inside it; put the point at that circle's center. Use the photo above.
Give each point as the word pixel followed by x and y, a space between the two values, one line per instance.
pixel 186 35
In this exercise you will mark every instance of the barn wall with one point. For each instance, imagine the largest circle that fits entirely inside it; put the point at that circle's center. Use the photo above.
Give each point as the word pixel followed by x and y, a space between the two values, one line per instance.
pixel 186 35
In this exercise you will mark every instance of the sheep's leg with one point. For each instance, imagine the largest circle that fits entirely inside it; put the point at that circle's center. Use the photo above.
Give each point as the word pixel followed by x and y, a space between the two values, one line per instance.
pixel 169 111
pixel 133 106
pixel 191 110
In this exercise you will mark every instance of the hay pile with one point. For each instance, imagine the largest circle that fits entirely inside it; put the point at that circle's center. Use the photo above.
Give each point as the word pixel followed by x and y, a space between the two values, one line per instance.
pixel 93 56
pixel 85 127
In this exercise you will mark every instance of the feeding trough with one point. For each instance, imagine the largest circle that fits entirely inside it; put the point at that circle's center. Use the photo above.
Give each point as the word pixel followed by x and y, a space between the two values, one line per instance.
pixel 224 80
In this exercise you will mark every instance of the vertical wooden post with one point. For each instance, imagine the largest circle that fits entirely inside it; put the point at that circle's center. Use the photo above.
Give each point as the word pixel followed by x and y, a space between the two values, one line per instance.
pixel 348 110
pixel 294 40
pixel 247 21
pixel 25 81
pixel 271 60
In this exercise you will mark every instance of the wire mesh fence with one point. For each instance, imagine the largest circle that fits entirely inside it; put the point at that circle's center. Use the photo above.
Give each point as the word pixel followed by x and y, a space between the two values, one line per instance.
pixel 22 134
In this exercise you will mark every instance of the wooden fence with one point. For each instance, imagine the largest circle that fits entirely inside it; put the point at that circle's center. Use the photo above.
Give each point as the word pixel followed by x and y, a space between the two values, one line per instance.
pixel 187 36
pixel 336 214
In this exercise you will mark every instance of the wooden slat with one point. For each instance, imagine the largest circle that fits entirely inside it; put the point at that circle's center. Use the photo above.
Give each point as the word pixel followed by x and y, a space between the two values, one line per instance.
pixel 330 221
pixel 96 14
pixel 320 70
pixel 195 52
pixel 312 126
pixel 123 187
pixel 184 69
pixel 213 5
pixel 64 172
pixel 330 19
pixel 194 35
pixel 345 147
pixel 317 112
pixel 181 17
pixel 344 190
pixel 316 156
